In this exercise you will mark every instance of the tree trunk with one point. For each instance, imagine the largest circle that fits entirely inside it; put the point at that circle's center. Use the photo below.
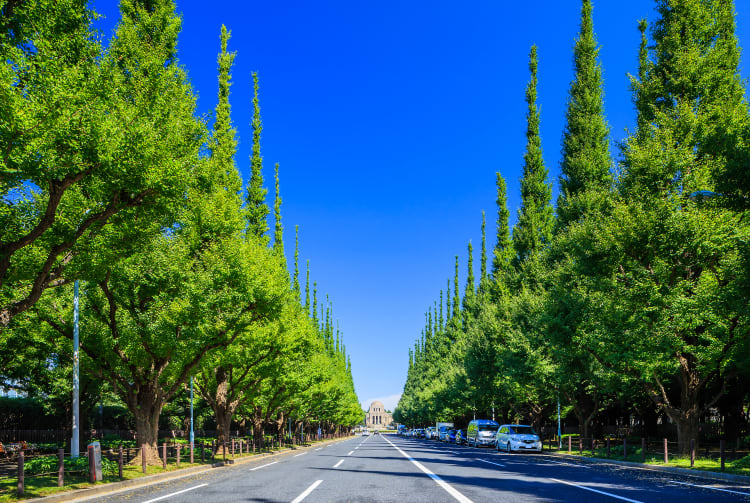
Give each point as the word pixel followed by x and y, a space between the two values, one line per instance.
pixel 147 427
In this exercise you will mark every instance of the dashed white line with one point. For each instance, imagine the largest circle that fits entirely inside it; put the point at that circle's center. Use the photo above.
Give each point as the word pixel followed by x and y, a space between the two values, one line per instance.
pixel 338 464
pixel 710 487
pixel 596 491
pixel 319 449
pixel 490 462
pixel 307 492
pixel 301 454
pixel 448 488
pixel 567 464
pixel 356 448
pixel 175 493
pixel 263 466
pixel 350 453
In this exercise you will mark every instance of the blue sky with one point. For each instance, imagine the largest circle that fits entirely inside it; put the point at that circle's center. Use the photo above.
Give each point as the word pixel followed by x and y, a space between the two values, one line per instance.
pixel 389 120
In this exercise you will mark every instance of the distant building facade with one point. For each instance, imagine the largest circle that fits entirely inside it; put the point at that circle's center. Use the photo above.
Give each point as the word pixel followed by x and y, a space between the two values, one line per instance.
pixel 377 417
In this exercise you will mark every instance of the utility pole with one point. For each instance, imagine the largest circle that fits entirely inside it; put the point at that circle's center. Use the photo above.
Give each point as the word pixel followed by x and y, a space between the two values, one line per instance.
pixel 192 435
pixel 74 446
pixel 559 436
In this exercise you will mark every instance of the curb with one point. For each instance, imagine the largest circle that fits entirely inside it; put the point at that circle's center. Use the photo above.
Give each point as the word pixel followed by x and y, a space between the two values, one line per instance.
pixel 673 470
pixel 125 485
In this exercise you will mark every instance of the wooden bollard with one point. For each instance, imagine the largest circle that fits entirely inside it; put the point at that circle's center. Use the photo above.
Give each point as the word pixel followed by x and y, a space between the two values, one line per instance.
pixel 20 487
pixel 580 446
pixel 179 448
pixel 164 455
pixel 570 445
pixel 643 450
pixel 203 453
pixel 625 448
pixel 191 453
pixel 224 450
pixel 143 457
pixel 593 447
pixel 692 452
pixel 232 447
pixel 119 462
pixel 60 467
pixel 666 452
pixel 608 448
pixel 721 453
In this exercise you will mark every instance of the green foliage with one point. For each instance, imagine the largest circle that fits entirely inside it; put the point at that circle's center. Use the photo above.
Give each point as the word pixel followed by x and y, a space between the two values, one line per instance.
pixel 48 464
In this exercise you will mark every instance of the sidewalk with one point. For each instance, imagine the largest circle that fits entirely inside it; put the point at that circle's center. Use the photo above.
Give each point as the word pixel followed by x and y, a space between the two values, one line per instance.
pixel 673 470
pixel 127 485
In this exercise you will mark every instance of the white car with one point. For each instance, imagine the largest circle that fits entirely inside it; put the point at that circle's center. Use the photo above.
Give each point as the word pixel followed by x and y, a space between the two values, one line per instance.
pixel 517 437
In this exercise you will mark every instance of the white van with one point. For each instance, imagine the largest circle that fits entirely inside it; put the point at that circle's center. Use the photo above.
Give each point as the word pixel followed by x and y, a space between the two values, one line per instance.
pixel 517 437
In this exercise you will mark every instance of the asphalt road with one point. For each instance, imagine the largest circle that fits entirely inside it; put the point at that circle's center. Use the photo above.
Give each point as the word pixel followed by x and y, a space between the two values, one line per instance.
pixel 392 469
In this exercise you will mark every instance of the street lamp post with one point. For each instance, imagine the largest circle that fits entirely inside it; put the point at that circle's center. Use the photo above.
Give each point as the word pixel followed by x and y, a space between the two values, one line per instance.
pixel 74 446
pixel 192 435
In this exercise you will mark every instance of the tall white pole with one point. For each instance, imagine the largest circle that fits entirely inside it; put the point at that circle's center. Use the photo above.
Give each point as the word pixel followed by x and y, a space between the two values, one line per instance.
pixel 74 447
pixel 559 438
pixel 192 435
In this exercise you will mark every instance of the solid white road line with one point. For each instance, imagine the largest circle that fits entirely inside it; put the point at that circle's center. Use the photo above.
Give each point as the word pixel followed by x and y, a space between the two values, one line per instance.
pixel 356 448
pixel 566 464
pixel 319 449
pixel 448 488
pixel 338 464
pixel 596 491
pixel 350 453
pixel 175 493
pixel 490 462
pixel 307 492
pixel 262 466
pixel 710 487
pixel 301 454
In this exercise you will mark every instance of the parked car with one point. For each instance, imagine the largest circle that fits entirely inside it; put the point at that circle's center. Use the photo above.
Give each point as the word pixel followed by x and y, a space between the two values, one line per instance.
pixel 443 433
pixel 452 436
pixel 419 433
pixel 481 432
pixel 460 437
pixel 429 433
pixel 517 437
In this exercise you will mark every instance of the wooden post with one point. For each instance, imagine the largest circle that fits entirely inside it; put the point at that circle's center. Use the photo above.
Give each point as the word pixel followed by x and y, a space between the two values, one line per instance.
pixel 92 464
pixel 179 448
pixel 643 450
pixel 143 457
pixel 608 450
pixel 164 455
pixel 20 488
pixel 224 450
pixel 625 448
pixel 60 467
pixel 721 453
pixel 666 452
pixel 192 460
pixel 570 444
pixel 692 452
pixel 580 446
pixel 232 447
pixel 203 452
pixel 119 462
pixel 593 447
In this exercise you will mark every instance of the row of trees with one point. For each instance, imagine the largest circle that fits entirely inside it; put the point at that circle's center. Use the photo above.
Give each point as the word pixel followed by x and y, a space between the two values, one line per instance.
pixel 635 289
pixel 110 178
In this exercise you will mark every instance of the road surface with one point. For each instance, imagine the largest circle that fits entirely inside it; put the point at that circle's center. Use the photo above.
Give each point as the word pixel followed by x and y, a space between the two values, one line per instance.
pixel 388 468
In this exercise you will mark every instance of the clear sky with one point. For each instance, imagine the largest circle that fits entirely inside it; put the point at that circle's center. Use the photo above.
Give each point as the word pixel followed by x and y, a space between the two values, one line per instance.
pixel 389 120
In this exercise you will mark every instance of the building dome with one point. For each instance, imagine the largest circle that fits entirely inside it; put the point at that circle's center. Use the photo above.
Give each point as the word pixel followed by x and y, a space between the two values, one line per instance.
pixel 377 417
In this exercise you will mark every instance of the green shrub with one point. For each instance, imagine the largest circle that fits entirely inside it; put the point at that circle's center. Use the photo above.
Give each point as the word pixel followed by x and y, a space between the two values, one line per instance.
pixel 48 464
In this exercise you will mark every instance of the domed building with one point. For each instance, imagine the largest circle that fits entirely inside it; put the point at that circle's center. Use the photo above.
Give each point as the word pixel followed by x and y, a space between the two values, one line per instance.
pixel 377 417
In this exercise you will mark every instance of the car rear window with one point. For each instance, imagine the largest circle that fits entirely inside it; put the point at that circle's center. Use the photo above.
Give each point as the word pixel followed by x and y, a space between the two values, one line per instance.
pixel 487 427
pixel 524 430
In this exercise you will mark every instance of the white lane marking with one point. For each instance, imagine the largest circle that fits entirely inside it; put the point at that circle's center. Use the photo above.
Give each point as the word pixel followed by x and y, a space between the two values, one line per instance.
pixel 356 448
pixel 307 491
pixel 448 488
pixel 350 453
pixel 490 462
pixel 567 464
pixel 175 493
pixel 596 491
pixel 301 454
pixel 710 487
pixel 319 449
pixel 338 464
pixel 263 466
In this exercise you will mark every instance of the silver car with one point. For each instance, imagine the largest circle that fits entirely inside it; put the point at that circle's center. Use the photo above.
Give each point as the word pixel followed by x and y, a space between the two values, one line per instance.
pixel 517 437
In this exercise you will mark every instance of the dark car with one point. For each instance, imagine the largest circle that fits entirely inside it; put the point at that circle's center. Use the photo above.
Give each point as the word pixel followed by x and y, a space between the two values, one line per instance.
pixel 451 436
pixel 460 437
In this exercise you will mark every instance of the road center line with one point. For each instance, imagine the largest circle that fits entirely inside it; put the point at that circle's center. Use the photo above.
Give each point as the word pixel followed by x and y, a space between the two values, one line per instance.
pixel 567 464
pixel 175 493
pixel 490 462
pixel 263 466
pixel 307 492
pixel 710 487
pixel 448 488
pixel 596 491
pixel 319 449
pixel 301 454
pixel 350 453
pixel 338 464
